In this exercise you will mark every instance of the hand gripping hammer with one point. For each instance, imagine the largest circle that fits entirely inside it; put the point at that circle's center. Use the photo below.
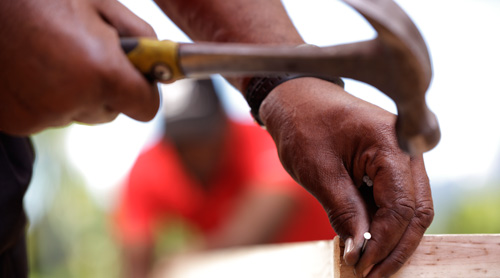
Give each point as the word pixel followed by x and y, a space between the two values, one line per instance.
pixel 396 62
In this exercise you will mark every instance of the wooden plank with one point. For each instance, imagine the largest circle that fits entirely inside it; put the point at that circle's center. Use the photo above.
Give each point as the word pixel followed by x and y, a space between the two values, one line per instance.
pixel 438 256
pixel 457 256
pixel 293 260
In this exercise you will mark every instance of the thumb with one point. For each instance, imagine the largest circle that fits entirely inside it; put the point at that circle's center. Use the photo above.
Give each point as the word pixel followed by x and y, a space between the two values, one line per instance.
pixel 123 20
pixel 348 214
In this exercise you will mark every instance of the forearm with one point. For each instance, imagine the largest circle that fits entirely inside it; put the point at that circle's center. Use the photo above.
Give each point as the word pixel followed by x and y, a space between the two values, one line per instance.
pixel 241 21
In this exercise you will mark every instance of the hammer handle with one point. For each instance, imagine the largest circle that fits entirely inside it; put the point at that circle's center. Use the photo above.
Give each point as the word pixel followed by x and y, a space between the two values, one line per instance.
pixel 417 127
pixel 149 54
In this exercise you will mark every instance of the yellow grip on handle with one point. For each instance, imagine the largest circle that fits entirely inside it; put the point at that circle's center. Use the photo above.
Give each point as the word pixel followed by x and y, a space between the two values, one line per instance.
pixel 156 59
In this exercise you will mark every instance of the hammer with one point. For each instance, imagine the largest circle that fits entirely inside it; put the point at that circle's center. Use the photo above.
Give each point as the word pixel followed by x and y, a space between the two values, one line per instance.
pixel 396 62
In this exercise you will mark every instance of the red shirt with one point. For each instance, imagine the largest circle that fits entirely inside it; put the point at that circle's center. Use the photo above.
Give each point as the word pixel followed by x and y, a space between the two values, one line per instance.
pixel 159 189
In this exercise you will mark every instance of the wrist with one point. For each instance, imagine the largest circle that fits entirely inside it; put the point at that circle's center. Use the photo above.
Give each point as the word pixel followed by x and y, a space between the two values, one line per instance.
pixel 258 88
pixel 300 100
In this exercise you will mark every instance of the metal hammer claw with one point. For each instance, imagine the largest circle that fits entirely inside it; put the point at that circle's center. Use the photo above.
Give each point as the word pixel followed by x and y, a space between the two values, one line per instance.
pixel 396 62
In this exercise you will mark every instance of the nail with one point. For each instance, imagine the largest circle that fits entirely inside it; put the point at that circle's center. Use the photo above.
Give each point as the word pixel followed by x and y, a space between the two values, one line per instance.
pixel 349 245
pixel 367 181
pixel 367 237
pixel 367 270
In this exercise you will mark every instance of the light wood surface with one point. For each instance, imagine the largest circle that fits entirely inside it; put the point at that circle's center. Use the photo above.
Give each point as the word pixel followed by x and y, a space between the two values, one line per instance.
pixel 455 256
pixel 440 256
pixel 295 260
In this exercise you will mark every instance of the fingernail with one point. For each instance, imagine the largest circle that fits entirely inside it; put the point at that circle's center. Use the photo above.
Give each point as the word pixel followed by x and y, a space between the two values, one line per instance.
pixel 349 245
pixel 367 270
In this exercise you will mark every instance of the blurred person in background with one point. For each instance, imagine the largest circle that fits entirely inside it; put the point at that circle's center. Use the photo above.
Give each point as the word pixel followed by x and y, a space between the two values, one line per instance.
pixel 221 176
pixel 328 140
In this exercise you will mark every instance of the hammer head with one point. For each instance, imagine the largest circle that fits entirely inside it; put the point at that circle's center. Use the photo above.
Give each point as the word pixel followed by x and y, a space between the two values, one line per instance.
pixel 398 64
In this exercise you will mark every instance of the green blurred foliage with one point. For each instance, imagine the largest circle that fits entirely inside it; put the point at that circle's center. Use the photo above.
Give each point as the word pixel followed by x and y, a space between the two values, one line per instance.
pixel 176 236
pixel 72 238
pixel 478 212
pixel 466 207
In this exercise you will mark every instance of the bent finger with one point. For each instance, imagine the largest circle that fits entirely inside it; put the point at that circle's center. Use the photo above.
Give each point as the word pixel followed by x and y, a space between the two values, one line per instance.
pixel 123 20
pixel 424 213
pixel 393 192
pixel 132 94
pixel 96 116
pixel 347 213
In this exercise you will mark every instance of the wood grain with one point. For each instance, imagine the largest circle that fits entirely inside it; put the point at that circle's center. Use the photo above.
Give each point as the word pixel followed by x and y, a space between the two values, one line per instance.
pixel 440 256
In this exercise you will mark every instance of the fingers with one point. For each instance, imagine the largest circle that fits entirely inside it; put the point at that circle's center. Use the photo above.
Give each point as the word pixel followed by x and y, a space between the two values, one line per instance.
pixel 346 211
pixel 123 20
pixel 424 214
pixel 96 116
pixel 130 93
pixel 393 192
pixel 77 69
pixel 328 150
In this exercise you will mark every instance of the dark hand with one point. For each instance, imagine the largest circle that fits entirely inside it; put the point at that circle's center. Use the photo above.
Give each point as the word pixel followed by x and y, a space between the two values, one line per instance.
pixel 328 140
pixel 61 62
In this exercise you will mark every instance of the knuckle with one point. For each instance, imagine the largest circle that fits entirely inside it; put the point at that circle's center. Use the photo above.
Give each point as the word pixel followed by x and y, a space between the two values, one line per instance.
pixel 148 30
pixel 400 255
pixel 339 218
pixel 424 216
pixel 397 260
pixel 95 70
pixel 388 164
pixel 402 211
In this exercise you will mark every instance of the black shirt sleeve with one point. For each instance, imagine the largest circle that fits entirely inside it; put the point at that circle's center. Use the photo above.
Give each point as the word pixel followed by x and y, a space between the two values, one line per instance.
pixel 16 166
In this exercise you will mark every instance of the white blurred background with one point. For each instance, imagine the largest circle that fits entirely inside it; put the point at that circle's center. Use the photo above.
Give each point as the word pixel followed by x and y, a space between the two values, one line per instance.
pixel 463 37
pixel 464 41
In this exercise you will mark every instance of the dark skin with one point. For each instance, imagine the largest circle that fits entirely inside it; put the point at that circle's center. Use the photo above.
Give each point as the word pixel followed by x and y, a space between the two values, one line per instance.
pixel 403 203
pixel 62 62
pixel 326 138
